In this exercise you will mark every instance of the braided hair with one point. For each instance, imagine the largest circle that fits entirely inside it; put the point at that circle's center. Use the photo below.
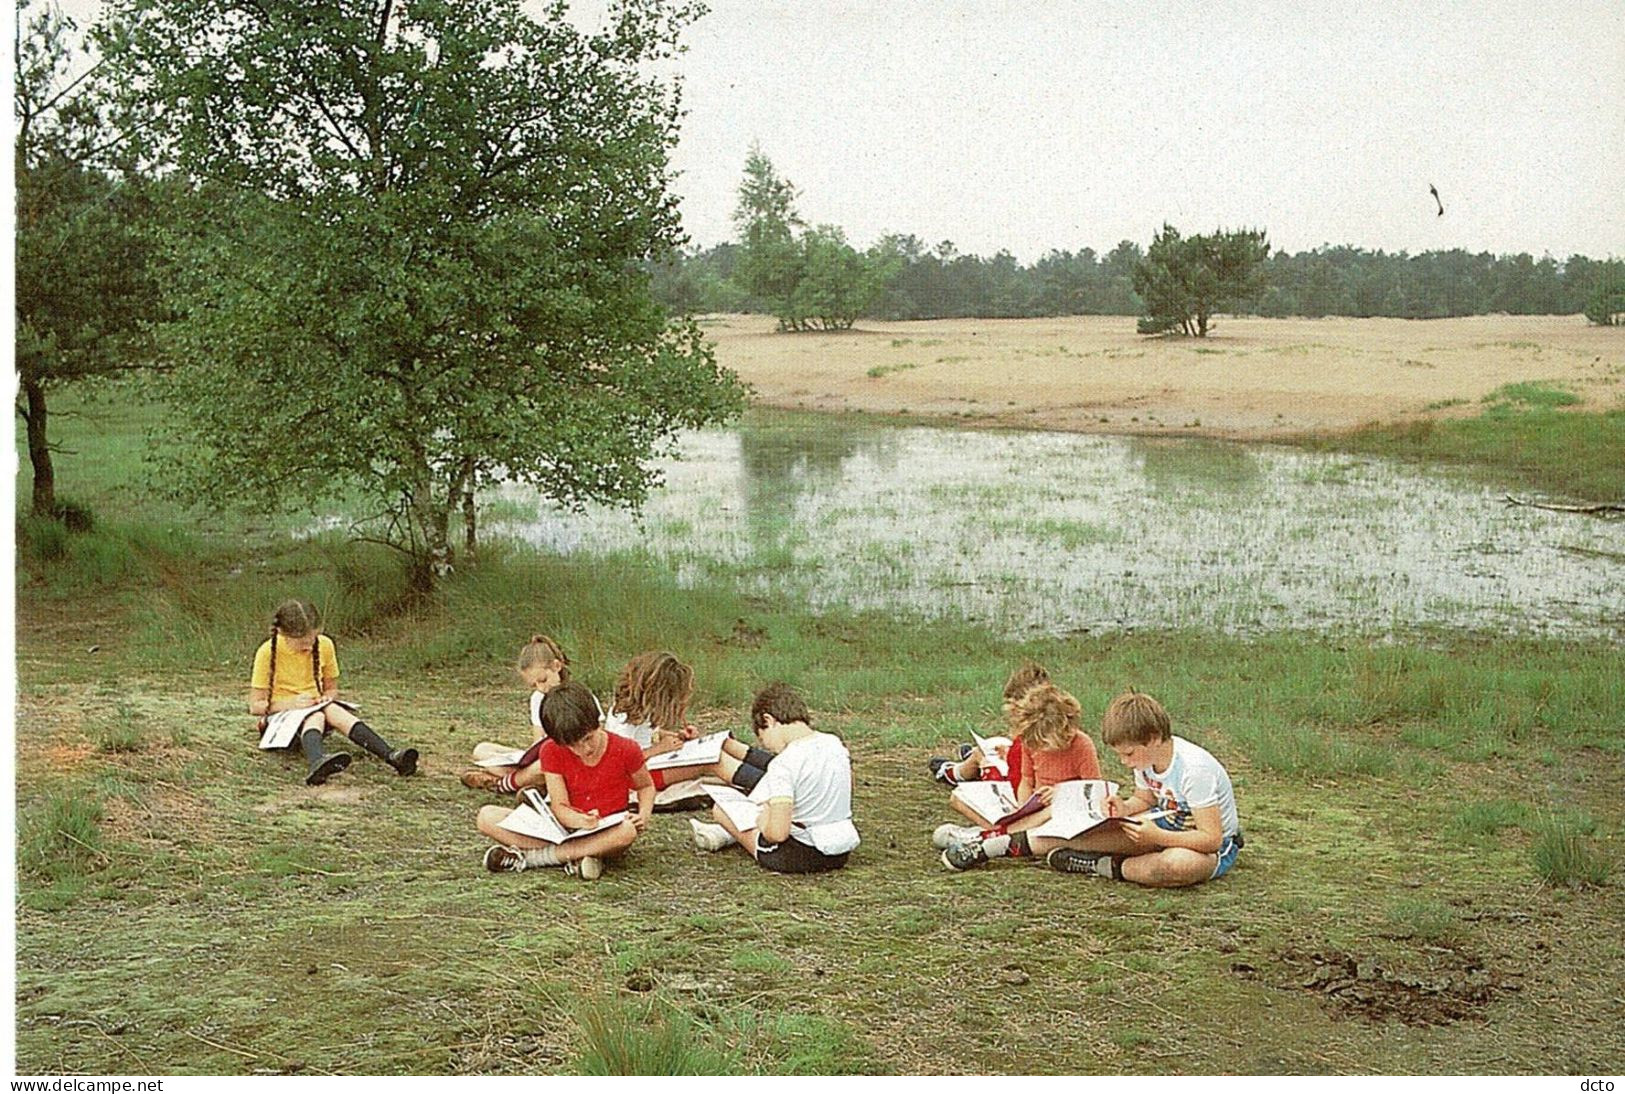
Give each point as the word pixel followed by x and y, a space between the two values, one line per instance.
pixel 296 618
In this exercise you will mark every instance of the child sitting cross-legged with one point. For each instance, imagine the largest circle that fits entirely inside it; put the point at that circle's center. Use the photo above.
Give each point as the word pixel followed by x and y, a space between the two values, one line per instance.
pixel 1196 842
pixel 805 822
pixel 1054 750
pixel 589 773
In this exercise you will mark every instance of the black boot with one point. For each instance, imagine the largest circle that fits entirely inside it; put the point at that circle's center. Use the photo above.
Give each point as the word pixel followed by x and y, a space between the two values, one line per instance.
pixel 403 760
pixel 321 767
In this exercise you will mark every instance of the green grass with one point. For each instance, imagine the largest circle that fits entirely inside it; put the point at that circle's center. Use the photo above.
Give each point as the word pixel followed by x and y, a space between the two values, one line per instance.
pixel 875 372
pixel 1523 441
pixel 628 1038
pixel 1563 856
pixel 1531 395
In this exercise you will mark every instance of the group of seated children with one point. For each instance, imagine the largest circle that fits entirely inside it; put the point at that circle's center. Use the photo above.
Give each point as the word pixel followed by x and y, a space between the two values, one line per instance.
pixel 1188 832
pixel 788 803
pixel 586 791
pixel 791 804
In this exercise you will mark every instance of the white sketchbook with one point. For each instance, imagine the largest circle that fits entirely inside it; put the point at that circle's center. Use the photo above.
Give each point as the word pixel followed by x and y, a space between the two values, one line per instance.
pixel 1079 806
pixel 282 727
pixel 990 798
pixel 502 759
pixel 701 750
pixel 741 810
pixel 534 818
pixel 990 752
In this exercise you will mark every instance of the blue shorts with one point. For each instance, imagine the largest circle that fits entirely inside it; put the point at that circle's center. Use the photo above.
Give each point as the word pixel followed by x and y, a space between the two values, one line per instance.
pixel 1227 855
pixel 1227 850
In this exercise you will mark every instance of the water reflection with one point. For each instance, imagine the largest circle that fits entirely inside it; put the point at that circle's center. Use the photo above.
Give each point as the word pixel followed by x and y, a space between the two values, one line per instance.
pixel 1057 533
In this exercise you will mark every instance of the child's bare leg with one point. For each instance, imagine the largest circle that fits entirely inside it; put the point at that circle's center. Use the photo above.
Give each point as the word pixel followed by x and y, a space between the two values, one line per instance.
pixel 610 843
pixel 1113 843
pixel 1170 868
pixel 339 718
pixel 529 776
pixel 693 771
pixel 489 821
pixel 732 746
pixel 747 838
pixel 970 766
pixel 969 814
pixel 486 749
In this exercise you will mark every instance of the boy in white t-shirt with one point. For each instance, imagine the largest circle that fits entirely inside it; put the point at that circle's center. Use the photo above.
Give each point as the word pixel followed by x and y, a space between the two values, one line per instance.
pixel 805 824
pixel 1196 842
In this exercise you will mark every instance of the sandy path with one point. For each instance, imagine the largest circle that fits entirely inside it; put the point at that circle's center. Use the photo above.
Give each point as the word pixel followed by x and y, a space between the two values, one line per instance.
pixel 1251 378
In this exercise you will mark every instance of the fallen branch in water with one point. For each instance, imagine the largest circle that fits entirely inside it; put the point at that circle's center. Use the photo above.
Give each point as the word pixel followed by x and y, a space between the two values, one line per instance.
pixel 1605 507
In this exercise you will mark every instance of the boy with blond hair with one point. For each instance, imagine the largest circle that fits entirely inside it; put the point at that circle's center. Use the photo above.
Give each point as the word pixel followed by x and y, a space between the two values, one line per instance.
pixel 1198 839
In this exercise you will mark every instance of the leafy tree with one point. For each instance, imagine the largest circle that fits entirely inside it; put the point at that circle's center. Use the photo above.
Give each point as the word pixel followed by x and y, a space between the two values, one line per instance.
pixel 86 286
pixel 1606 305
pixel 1183 282
pixel 811 281
pixel 420 262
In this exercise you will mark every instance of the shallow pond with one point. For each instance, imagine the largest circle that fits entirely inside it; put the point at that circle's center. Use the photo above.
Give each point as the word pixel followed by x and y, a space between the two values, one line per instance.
pixel 1054 533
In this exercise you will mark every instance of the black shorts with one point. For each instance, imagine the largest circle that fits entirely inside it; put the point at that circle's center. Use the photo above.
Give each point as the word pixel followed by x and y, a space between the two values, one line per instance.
pixel 752 768
pixel 794 857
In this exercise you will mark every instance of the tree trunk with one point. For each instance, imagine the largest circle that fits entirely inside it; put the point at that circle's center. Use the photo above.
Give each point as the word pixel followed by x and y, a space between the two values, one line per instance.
pixel 430 556
pixel 39 452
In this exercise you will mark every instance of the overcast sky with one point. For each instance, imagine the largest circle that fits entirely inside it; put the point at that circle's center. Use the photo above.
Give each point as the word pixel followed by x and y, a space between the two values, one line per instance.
pixel 1032 126
pixel 1062 124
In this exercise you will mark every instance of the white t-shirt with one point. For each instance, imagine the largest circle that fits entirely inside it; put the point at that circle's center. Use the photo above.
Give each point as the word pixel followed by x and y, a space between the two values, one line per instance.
pixel 815 773
pixel 536 698
pixel 643 733
pixel 1194 780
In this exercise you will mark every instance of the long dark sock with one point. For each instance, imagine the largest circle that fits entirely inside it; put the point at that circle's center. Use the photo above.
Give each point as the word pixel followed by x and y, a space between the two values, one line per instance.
pixel 405 760
pixel 321 767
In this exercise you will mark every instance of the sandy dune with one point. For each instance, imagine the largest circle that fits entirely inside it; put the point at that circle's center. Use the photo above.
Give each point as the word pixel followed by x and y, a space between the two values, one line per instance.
pixel 1251 378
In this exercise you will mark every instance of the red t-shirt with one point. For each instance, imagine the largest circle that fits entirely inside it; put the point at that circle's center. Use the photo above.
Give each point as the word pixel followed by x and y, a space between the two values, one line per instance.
pixel 1046 766
pixel 605 785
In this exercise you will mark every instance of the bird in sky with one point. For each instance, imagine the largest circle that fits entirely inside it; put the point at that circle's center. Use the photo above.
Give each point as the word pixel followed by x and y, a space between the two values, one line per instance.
pixel 1434 190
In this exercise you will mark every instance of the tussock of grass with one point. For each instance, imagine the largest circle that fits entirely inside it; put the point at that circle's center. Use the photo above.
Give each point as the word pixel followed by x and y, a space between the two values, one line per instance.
pixel 630 1038
pixel 60 837
pixel 1563 856
pixel 1423 918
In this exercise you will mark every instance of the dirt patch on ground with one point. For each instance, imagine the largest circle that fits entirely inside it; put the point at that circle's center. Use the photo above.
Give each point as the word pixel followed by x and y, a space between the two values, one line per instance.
pixel 1252 378
pixel 1441 986
pixel 328 792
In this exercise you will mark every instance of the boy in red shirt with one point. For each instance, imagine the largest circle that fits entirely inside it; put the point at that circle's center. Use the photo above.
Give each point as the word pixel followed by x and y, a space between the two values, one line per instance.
pixel 589 773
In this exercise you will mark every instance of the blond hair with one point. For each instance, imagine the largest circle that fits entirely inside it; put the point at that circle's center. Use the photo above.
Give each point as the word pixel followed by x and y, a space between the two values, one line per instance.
pixel 1135 718
pixel 1046 718
pixel 540 650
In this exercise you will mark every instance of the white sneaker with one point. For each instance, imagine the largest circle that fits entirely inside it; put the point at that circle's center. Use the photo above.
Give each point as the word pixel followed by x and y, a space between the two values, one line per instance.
pixel 711 837
pixel 587 868
pixel 947 835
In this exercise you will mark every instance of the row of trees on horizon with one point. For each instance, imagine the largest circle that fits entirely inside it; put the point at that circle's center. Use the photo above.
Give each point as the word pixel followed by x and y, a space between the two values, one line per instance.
pixel 940 282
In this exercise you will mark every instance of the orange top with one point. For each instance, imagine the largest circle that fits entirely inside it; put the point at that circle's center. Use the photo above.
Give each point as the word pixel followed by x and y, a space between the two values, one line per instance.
pixel 1048 766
